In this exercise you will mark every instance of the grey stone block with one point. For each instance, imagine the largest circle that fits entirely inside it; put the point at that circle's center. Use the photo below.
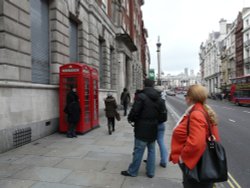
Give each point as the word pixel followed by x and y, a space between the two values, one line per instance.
pixel 24 18
pixel 15 58
pixel 25 74
pixel 9 72
pixel 10 10
pixel 24 46
pixel 24 4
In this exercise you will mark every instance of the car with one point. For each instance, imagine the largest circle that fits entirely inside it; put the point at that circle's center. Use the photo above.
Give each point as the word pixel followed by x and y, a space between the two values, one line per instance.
pixel 171 93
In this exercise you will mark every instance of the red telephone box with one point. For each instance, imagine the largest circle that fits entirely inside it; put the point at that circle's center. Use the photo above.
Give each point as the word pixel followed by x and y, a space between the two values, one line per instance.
pixel 94 98
pixel 79 76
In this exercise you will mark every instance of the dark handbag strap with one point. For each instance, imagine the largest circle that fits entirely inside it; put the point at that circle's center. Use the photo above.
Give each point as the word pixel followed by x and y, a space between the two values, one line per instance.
pixel 208 123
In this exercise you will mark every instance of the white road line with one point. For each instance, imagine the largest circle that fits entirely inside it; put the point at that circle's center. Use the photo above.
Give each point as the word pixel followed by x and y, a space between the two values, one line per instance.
pixel 247 112
pixel 232 120
pixel 233 180
pixel 228 108
pixel 176 116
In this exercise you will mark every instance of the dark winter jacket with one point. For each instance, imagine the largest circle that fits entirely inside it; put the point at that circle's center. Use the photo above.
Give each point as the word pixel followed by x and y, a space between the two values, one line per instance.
pixel 125 98
pixel 71 97
pixel 74 112
pixel 145 114
pixel 110 107
pixel 72 108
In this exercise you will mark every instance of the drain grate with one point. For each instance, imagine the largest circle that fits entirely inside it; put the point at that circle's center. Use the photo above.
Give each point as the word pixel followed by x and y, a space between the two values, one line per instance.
pixel 21 137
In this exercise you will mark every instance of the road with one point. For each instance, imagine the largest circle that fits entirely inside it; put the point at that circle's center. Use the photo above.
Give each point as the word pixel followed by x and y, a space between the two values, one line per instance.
pixel 234 127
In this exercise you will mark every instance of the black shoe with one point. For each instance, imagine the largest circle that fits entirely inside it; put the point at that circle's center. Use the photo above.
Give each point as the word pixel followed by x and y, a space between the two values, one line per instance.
pixel 74 135
pixel 69 136
pixel 125 173
pixel 150 176
pixel 163 165
pixel 145 161
pixel 113 129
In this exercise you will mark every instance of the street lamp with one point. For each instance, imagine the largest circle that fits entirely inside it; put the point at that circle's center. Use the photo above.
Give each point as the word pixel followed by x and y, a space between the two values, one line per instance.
pixel 158 44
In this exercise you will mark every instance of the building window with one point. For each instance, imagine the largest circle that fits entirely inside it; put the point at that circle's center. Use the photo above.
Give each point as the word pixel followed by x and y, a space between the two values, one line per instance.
pixel 112 72
pixel 40 41
pixel 101 62
pixel 73 45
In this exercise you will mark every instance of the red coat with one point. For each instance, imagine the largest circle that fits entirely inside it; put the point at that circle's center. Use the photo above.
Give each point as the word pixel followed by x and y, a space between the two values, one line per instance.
pixel 191 147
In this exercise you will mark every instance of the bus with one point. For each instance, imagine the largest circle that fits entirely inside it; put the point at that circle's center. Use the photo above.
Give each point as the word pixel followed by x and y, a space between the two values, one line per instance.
pixel 240 90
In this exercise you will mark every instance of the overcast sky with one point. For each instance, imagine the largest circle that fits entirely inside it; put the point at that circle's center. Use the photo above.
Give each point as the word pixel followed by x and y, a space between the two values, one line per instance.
pixel 182 25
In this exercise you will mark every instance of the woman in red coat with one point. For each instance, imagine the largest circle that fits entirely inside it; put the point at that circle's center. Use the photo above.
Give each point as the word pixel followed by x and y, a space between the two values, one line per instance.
pixel 188 149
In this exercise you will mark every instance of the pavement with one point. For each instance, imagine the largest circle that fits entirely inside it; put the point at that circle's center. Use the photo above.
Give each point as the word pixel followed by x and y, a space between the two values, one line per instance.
pixel 92 160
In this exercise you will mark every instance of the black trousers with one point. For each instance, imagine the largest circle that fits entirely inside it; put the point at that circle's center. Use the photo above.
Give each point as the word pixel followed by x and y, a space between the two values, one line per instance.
pixel 111 121
pixel 125 108
pixel 193 184
pixel 72 128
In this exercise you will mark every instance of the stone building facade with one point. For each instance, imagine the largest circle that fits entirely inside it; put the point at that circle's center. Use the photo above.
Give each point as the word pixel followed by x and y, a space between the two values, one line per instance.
pixel 38 36
pixel 228 49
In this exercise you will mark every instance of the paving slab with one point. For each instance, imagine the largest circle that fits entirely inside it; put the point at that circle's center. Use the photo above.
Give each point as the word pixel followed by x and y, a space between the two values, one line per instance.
pixel 92 160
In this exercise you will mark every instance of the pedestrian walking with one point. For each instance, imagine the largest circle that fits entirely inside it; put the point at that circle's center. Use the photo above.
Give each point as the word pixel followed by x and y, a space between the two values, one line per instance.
pixel 110 112
pixel 73 110
pixel 145 118
pixel 187 147
pixel 125 100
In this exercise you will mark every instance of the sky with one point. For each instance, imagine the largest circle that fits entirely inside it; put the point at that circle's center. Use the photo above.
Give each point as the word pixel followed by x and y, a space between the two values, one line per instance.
pixel 182 26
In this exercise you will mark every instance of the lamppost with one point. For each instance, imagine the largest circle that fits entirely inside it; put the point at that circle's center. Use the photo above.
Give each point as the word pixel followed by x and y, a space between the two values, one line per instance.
pixel 158 44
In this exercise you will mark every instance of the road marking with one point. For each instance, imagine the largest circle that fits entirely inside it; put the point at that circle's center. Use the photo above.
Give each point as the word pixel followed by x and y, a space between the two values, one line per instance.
pixel 247 112
pixel 230 184
pixel 171 108
pixel 232 120
pixel 228 108
pixel 234 181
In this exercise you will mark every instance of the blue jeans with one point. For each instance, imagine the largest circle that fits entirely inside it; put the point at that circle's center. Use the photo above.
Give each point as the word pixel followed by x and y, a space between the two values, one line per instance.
pixel 161 143
pixel 139 148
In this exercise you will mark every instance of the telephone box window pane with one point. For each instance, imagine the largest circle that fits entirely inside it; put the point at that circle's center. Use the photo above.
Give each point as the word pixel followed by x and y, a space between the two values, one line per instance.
pixel 87 102
pixel 68 82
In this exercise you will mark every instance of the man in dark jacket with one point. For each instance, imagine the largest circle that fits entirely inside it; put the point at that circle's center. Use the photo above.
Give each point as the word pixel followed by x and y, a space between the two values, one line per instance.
pixel 73 111
pixel 144 114
pixel 110 111
pixel 125 100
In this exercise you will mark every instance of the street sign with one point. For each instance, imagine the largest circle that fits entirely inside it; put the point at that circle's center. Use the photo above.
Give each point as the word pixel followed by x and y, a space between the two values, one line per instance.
pixel 151 75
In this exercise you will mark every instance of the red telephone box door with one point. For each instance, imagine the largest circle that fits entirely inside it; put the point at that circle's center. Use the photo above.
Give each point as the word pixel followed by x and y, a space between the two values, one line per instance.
pixel 94 98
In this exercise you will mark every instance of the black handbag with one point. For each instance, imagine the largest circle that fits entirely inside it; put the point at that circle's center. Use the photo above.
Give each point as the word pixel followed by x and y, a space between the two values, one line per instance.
pixel 212 166
pixel 117 116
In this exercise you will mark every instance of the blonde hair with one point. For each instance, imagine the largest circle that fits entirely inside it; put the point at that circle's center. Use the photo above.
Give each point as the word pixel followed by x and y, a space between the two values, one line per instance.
pixel 198 94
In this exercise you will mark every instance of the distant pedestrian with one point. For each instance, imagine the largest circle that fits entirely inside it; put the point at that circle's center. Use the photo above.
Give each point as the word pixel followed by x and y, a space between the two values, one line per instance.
pixel 73 110
pixel 110 112
pixel 125 100
pixel 188 147
pixel 145 118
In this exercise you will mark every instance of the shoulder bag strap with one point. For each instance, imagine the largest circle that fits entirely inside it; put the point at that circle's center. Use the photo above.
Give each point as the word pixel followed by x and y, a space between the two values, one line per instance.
pixel 208 122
